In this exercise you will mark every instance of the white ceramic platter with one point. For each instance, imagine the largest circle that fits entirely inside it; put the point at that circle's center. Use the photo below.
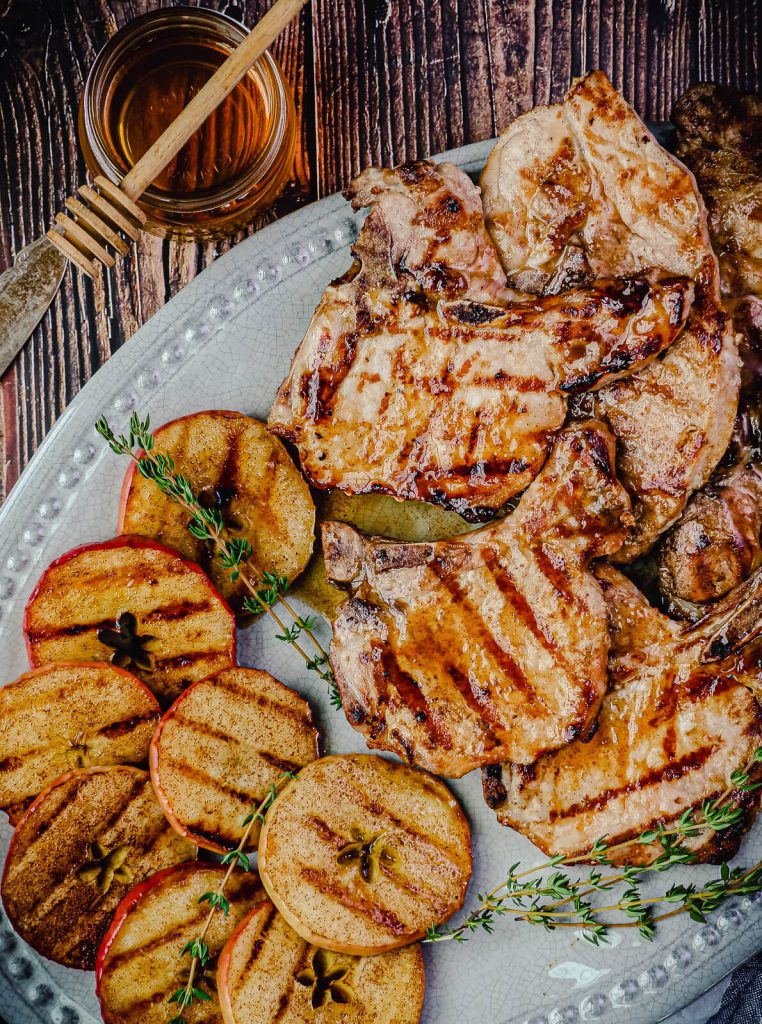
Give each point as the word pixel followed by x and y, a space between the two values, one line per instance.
pixel 226 342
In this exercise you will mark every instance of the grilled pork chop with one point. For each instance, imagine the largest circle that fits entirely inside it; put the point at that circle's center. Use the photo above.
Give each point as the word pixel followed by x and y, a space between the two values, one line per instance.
pixel 491 646
pixel 581 190
pixel 673 421
pixel 715 544
pixel 407 385
pixel 670 732
pixel 719 136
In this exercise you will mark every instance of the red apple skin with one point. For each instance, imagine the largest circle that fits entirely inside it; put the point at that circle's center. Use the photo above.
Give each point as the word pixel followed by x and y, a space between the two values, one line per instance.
pixel 28 811
pixel 41 669
pixel 223 965
pixel 153 767
pixel 133 897
pixel 122 540
pixel 132 469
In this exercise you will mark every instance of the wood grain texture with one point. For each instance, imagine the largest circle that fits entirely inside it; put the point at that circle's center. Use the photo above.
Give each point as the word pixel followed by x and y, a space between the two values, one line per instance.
pixel 376 81
pixel 48 48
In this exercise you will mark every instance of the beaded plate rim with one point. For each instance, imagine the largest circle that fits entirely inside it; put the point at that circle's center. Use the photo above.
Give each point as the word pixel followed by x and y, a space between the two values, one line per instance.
pixel 33 523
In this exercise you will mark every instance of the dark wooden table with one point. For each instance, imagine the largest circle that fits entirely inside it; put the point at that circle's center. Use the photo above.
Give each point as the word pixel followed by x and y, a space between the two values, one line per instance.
pixel 375 80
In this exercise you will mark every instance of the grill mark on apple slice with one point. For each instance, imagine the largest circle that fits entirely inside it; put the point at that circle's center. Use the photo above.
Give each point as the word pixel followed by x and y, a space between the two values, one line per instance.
pixel 179 930
pixel 176 611
pixel 187 659
pixel 63 805
pixel 200 728
pixel 278 762
pixel 361 799
pixel 410 886
pixel 142 1006
pixel 258 945
pixel 202 778
pixel 274 706
pixel 285 996
pixel 114 730
pixel 56 880
pixel 325 831
pixel 158 614
pixel 371 911
pixel 666 773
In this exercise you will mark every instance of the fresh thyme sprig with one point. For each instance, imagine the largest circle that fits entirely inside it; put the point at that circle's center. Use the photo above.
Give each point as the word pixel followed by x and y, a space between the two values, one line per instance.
pixel 198 949
pixel 557 901
pixel 266 589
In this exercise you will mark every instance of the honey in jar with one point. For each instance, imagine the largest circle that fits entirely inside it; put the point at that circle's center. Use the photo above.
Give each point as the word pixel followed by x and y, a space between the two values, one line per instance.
pixel 235 164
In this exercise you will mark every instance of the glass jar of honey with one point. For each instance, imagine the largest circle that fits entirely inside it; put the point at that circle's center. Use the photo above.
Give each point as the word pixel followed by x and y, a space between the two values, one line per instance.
pixel 237 162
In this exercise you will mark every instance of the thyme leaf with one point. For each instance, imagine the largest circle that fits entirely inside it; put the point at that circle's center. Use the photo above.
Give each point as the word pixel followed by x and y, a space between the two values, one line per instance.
pixel 557 901
pixel 235 554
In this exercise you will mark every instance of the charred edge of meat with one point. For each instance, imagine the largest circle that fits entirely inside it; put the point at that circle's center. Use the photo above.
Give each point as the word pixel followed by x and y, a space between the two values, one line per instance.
pixel 475 314
pixel 495 793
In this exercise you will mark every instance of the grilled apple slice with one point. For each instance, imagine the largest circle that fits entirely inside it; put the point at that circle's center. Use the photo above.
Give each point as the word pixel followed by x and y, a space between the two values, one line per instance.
pixel 137 604
pixel 72 715
pixel 220 746
pixel 139 962
pixel 361 855
pixel 267 974
pixel 84 842
pixel 234 465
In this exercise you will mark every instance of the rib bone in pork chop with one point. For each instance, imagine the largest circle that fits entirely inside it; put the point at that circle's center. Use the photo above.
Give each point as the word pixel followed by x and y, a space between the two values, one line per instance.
pixel 413 382
pixel 582 190
pixel 671 730
pixel 492 646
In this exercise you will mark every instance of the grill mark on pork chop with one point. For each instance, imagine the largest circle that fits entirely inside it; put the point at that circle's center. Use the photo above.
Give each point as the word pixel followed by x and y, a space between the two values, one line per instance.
pixel 521 607
pixel 667 773
pixel 478 631
pixel 555 575
pixel 478 701
pixel 411 696
pixel 369 909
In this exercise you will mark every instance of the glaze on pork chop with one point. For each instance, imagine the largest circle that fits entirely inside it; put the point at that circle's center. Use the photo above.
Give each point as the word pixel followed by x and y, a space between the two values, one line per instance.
pixel 491 646
pixel 582 190
pixel 670 732
pixel 413 381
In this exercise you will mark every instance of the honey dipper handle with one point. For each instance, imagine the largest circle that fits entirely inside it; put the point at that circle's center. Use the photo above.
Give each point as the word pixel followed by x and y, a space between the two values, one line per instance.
pixel 209 97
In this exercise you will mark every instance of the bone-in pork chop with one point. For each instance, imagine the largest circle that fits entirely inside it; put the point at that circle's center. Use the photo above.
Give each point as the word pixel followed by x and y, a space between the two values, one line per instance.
pixel 670 732
pixel 455 653
pixel 406 384
pixel 581 190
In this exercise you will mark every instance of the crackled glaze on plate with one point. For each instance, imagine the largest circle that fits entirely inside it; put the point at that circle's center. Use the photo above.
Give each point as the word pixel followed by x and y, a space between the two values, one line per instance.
pixel 226 342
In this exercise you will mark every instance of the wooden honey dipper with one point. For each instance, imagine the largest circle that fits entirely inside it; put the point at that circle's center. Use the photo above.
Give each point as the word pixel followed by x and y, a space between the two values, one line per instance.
pixel 107 214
